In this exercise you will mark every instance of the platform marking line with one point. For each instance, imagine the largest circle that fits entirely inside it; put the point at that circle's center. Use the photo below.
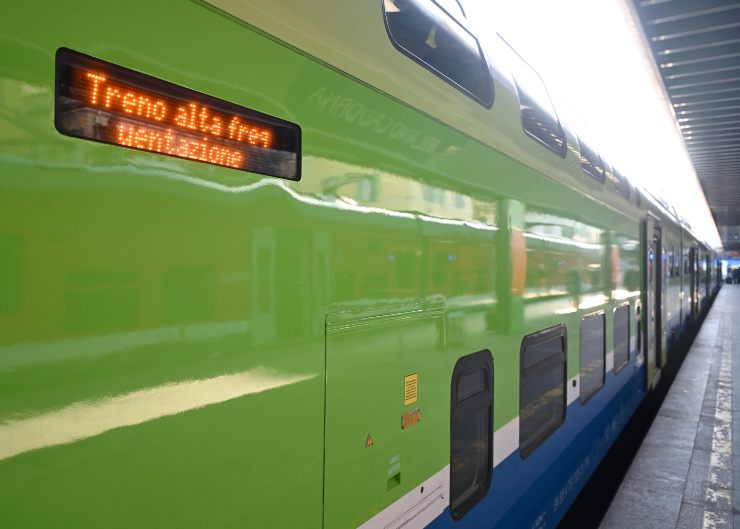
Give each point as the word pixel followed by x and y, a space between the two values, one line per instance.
pixel 720 463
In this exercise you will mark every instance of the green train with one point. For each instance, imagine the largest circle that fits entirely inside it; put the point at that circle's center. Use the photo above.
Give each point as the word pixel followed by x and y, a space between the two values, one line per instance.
pixel 311 264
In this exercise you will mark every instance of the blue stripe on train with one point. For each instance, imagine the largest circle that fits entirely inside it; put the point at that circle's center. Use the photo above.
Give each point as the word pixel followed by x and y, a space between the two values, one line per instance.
pixel 537 492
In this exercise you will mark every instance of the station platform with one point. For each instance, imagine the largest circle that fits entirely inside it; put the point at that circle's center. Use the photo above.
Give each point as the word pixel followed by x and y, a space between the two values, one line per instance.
pixel 687 471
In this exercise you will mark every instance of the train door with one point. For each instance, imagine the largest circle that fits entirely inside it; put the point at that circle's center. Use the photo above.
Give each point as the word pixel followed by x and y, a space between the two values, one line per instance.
pixel 692 282
pixel 679 272
pixel 707 277
pixel 662 329
pixel 695 282
pixel 384 418
pixel 653 305
pixel 718 269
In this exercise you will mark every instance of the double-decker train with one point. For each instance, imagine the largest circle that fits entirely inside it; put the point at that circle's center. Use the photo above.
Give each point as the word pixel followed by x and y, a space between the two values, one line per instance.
pixel 312 264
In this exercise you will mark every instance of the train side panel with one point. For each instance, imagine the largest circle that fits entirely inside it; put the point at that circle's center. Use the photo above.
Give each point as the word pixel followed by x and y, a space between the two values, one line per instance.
pixel 184 345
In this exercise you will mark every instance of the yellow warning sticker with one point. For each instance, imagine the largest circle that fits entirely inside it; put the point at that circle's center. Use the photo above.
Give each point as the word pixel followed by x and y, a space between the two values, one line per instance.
pixel 410 389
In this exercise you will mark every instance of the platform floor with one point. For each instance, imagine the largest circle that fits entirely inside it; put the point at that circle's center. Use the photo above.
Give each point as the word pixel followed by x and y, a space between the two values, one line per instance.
pixel 687 471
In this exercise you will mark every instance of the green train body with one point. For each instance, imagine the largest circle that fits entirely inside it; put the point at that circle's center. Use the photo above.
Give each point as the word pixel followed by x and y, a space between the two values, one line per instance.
pixel 186 345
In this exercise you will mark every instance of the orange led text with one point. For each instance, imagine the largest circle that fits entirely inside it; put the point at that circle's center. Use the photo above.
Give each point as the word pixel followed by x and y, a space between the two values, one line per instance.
pixel 193 116
pixel 174 144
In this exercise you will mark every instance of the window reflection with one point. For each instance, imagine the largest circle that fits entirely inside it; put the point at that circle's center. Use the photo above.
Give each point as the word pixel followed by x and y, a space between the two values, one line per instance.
pixel 425 32
pixel 539 119
pixel 542 390
pixel 592 355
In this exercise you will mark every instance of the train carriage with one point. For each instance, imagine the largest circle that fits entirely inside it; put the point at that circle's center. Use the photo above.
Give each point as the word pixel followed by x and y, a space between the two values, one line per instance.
pixel 321 265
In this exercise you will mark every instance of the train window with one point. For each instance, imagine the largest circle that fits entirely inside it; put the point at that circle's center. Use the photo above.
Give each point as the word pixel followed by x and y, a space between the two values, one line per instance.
pixel 539 119
pixel 471 431
pixel 542 388
pixel 591 162
pixel 638 324
pixel 592 355
pixel 428 34
pixel 677 263
pixel 621 184
pixel 621 337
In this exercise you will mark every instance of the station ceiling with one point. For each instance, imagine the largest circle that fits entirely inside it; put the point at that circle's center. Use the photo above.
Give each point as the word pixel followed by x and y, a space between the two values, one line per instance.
pixel 696 46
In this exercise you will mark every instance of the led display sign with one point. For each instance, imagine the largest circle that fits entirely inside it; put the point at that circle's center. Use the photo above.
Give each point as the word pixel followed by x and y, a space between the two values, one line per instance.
pixel 100 101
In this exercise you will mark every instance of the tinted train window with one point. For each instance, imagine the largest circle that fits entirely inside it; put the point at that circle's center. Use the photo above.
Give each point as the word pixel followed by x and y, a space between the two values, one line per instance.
pixel 591 162
pixel 471 431
pixel 592 355
pixel 539 119
pixel 542 389
pixel 621 184
pixel 621 337
pixel 424 31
